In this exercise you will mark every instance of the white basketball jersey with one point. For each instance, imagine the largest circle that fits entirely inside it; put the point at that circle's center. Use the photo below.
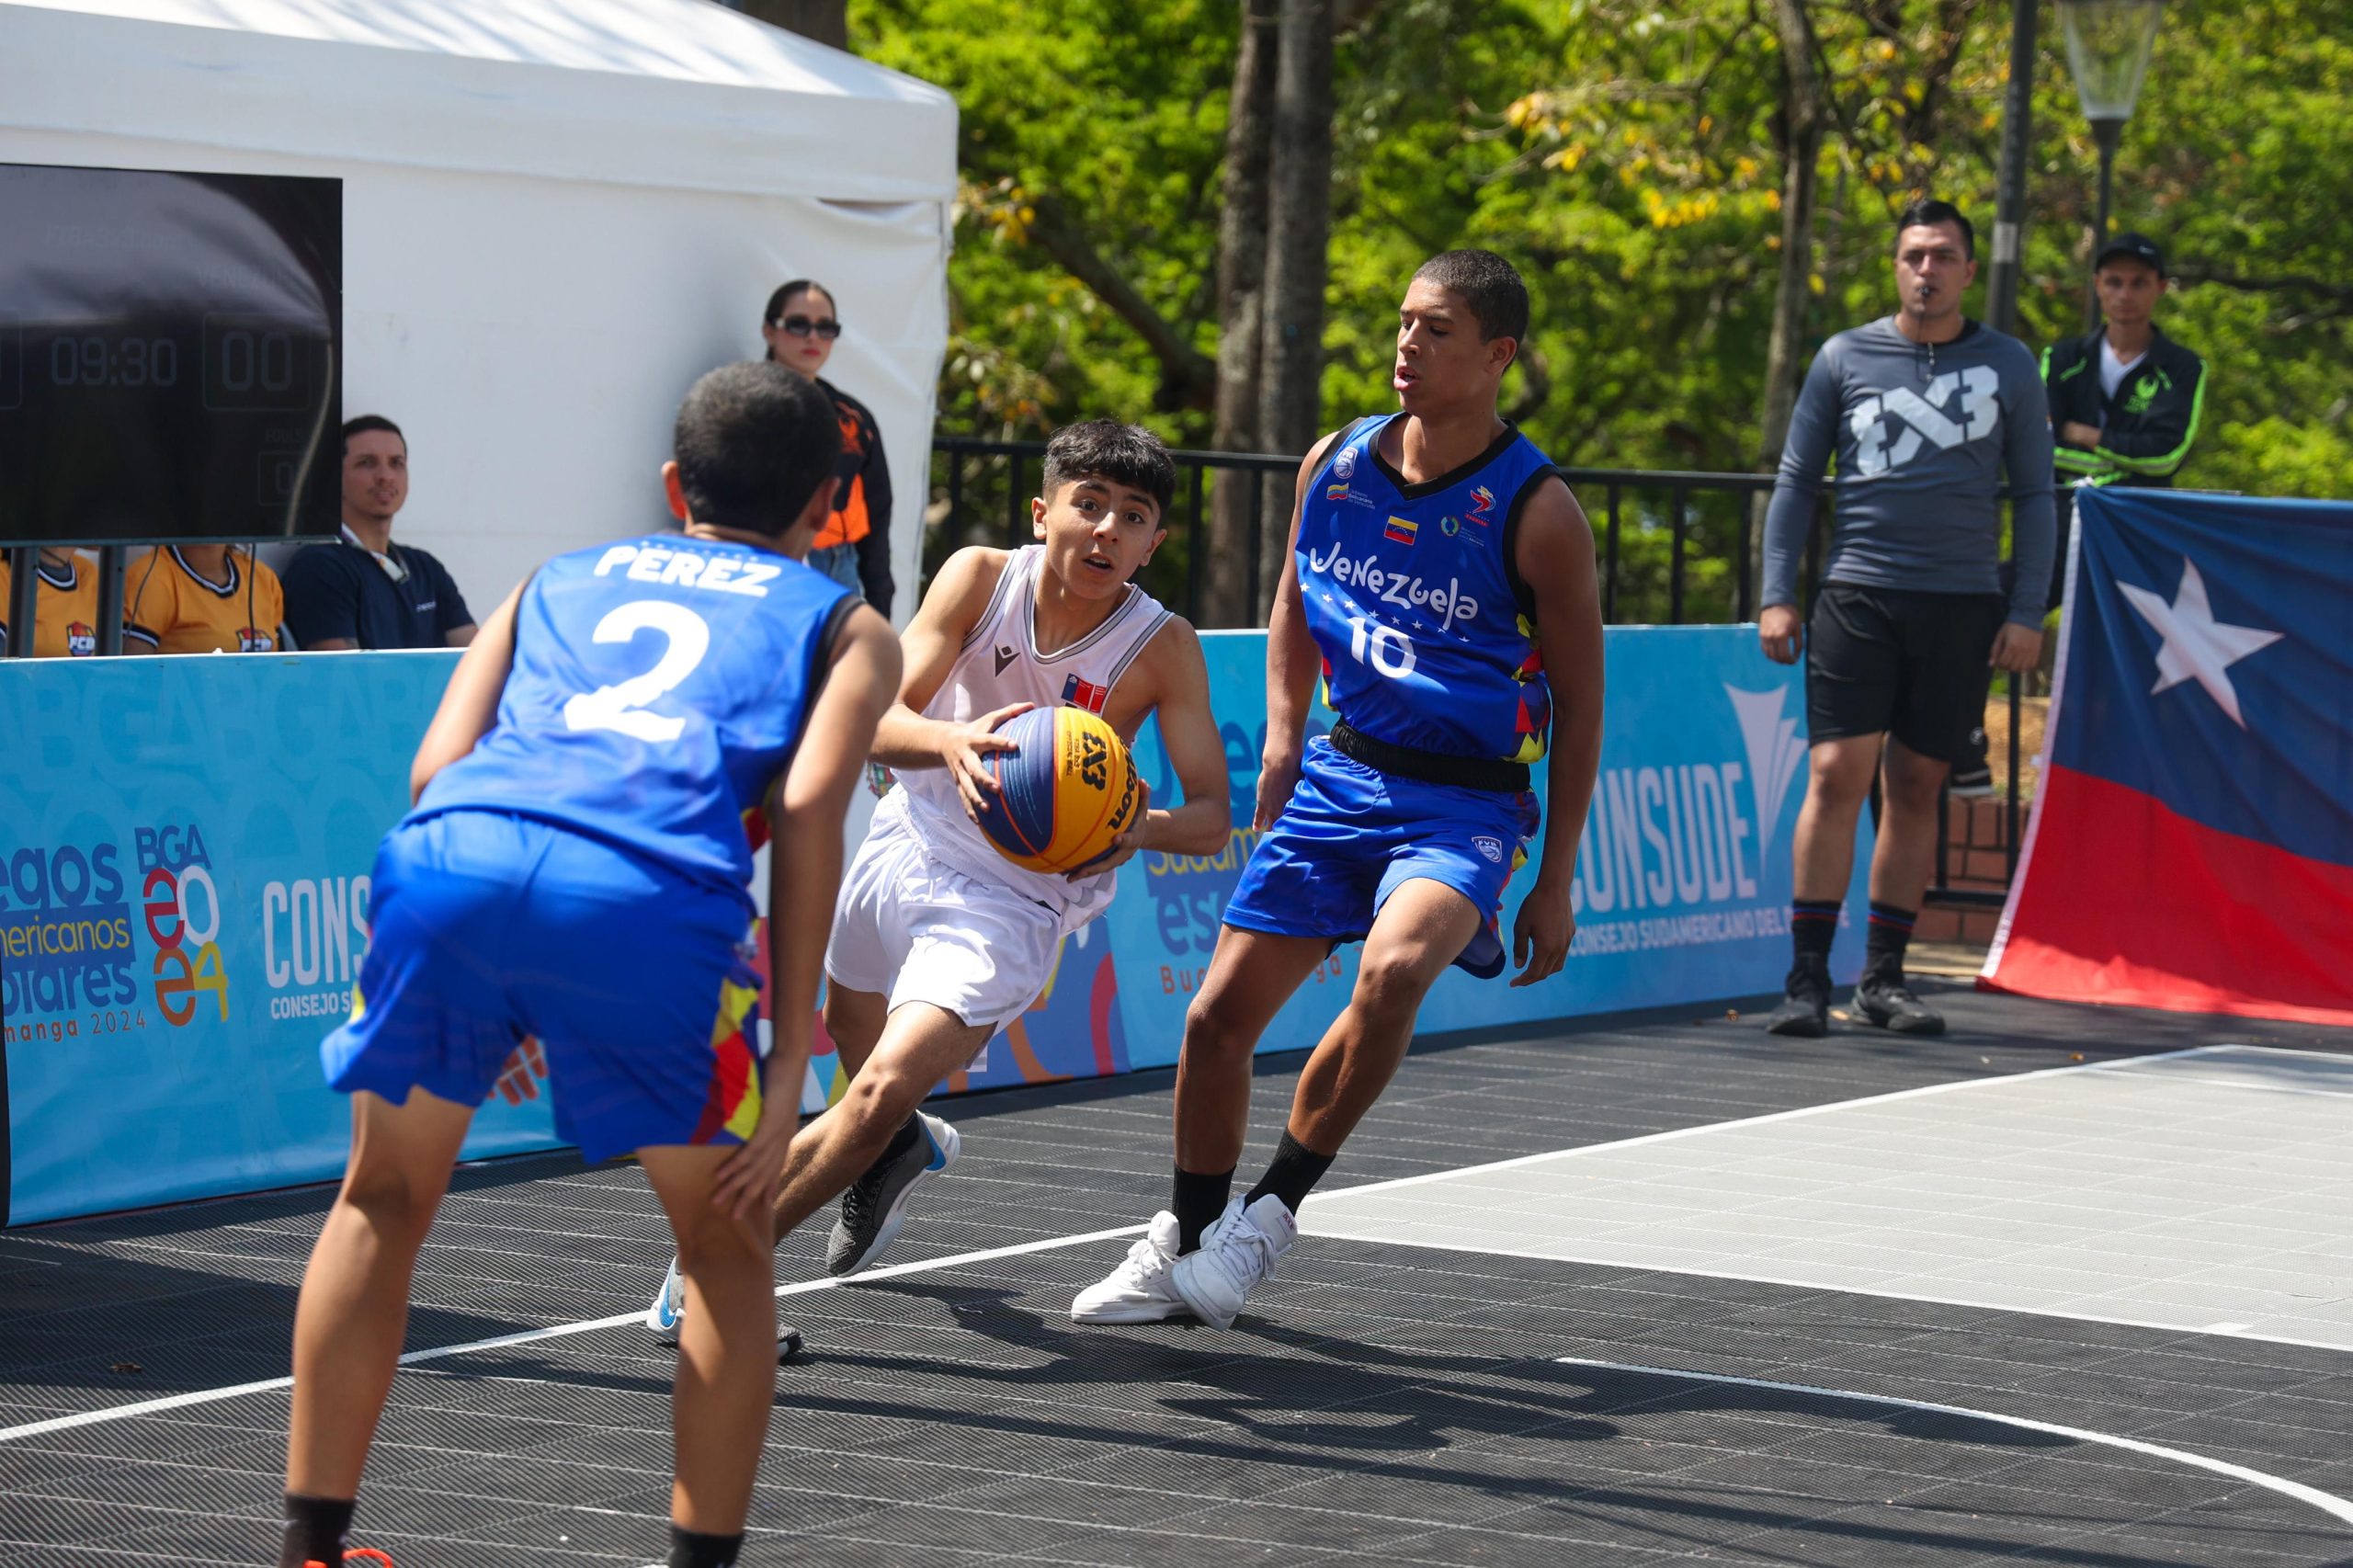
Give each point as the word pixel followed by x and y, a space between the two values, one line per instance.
pixel 998 667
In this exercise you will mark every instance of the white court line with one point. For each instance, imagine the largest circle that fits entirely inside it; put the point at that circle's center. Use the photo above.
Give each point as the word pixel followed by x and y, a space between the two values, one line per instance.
pixel 2328 1503
pixel 924 1266
pixel 532 1336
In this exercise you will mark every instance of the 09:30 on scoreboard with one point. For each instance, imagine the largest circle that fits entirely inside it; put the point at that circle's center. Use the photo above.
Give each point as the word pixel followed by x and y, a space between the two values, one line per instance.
pixel 170 355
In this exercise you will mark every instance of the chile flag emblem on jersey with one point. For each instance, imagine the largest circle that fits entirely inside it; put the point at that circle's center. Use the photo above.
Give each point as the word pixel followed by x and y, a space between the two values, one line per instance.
pixel 2192 841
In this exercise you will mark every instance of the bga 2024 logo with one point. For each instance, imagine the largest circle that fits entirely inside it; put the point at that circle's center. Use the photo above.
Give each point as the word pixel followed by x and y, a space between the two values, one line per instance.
pixel 69 931
pixel 182 912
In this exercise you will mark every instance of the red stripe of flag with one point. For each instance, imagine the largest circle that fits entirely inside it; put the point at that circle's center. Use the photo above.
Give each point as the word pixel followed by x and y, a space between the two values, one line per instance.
pixel 2203 921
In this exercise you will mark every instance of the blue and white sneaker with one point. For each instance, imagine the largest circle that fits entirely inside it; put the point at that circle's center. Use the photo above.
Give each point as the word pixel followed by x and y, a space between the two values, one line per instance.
pixel 876 1204
pixel 669 1308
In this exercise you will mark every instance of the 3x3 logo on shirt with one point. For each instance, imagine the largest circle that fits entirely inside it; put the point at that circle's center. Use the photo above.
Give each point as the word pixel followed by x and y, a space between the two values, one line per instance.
pixel 1924 417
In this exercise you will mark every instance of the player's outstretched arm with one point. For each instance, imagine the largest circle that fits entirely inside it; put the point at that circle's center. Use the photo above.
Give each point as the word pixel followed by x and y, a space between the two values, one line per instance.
pixel 1292 664
pixel 805 811
pixel 951 607
pixel 1555 559
pixel 1179 681
pixel 469 702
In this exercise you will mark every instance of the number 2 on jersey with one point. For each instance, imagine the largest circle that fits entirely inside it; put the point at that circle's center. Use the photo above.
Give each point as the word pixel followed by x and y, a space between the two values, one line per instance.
pixel 622 706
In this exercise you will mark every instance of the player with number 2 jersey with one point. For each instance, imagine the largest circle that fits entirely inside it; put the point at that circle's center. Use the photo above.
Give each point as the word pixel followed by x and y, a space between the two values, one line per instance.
pixel 577 870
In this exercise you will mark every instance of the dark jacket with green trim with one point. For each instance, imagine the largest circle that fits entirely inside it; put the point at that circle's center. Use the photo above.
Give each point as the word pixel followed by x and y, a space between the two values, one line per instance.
pixel 2145 429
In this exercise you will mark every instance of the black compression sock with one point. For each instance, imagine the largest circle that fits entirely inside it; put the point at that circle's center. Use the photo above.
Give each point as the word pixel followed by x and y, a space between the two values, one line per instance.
pixel 316 1530
pixel 1814 922
pixel 1883 945
pixel 901 1142
pixel 692 1548
pixel 1292 1174
pixel 1196 1202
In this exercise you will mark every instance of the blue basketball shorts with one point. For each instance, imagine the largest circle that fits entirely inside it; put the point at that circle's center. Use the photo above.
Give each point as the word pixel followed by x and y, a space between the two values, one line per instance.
pixel 490 928
pixel 1352 835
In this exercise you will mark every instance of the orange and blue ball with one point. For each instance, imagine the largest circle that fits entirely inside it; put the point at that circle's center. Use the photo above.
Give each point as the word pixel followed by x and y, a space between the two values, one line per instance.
pixel 1066 792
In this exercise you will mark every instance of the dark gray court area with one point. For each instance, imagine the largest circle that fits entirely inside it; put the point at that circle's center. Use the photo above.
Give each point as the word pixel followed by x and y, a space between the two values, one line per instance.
pixel 1478 1370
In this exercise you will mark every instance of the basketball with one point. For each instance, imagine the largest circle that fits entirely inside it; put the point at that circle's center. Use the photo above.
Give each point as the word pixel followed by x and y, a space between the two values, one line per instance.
pixel 1065 794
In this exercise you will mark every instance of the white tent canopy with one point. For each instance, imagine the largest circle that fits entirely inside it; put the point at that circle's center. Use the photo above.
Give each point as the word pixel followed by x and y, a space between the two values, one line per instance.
pixel 557 213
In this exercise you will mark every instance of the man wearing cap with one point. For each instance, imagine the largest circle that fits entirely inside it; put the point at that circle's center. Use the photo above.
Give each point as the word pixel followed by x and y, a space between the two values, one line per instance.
pixel 2124 406
pixel 2125 399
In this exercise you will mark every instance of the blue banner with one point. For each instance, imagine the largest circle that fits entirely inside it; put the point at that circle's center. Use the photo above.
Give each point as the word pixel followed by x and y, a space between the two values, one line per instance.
pixel 185 845
pixel 185 848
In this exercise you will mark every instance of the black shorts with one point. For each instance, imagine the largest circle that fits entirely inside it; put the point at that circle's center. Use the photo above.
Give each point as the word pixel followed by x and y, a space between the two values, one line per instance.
pixel 1909 664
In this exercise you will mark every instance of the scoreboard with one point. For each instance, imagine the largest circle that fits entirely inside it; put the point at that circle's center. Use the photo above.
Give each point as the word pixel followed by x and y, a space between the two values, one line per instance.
pixel 170 355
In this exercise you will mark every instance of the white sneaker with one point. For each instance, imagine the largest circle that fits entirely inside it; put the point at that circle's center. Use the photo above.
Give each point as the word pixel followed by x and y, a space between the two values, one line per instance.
pixel 1139 1290
pixel 1236 1252
pixel 669 1308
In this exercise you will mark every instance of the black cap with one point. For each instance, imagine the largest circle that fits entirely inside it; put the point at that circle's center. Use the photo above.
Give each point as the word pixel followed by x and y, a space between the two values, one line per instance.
pixel 2132 247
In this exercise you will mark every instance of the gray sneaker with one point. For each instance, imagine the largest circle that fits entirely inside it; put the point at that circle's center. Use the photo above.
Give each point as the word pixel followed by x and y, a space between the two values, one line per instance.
pixel 1886 1001
pixel 876 1205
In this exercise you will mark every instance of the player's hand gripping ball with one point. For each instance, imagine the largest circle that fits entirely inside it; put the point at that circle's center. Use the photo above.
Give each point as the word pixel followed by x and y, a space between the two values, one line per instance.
pixel 1064 794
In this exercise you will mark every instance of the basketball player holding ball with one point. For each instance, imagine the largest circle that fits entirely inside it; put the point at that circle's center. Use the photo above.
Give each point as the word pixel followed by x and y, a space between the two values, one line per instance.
pixel 940 938
pixel 1442 580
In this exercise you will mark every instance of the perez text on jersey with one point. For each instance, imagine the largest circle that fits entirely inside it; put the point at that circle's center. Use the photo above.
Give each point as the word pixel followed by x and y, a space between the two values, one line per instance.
pixel 659 687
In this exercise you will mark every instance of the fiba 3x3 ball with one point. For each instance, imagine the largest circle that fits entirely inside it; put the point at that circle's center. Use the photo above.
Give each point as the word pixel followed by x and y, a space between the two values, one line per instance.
pixel 1064 793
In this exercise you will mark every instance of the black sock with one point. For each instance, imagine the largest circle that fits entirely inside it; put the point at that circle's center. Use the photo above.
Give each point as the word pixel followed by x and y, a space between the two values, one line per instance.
pixel 1814 922
pixel 316 1529
pixel 1883 947
pixel 1197 1201
pixel 901 1142
pixel 1292 1174
pixel 692 1548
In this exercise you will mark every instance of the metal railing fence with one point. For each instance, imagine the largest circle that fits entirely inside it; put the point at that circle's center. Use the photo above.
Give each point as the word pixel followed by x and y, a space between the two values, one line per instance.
pixel 1675 548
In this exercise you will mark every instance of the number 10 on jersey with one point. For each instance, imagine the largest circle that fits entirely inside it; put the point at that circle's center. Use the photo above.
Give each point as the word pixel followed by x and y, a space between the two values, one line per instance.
pixel 1388 650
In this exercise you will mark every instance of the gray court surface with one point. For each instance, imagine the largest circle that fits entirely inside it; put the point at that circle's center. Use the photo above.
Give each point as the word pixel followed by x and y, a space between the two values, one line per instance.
pixel 1467 1376
pixel 2210 1189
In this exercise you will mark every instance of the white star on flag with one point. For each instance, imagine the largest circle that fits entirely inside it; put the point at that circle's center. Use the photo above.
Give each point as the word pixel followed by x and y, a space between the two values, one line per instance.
pixel 2196 646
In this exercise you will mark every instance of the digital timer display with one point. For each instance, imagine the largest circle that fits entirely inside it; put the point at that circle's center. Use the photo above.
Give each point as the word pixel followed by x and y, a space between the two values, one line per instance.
pixel 170 355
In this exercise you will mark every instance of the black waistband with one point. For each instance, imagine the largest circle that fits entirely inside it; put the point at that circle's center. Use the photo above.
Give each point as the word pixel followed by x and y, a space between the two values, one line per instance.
pixel 1491 773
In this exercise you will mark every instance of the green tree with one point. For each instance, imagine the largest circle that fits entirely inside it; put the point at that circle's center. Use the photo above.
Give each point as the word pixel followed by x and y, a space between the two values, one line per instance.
pixel 1636 159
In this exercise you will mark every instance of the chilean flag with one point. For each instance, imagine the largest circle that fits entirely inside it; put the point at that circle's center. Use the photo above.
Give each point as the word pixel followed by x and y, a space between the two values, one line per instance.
pixel 2192 847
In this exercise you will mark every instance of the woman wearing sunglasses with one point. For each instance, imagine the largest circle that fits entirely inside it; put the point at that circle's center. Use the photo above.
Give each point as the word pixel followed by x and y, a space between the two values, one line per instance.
pixel 853 548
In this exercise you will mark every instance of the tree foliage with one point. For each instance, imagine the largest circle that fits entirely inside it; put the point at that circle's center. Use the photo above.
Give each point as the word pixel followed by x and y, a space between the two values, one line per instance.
pixel 1629 156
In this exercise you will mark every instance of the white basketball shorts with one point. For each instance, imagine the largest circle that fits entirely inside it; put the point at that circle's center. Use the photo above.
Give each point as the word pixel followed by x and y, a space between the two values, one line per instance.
pixel 913 929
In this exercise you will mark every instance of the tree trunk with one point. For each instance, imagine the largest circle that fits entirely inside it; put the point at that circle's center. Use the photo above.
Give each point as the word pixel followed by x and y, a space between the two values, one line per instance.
pixel 1804 115
pixel 1299 227
pixel 1241 292
pixel 825 21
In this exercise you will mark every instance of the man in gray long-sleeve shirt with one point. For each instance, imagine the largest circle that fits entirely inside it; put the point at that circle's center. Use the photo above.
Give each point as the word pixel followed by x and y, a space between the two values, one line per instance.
pixel 1926 411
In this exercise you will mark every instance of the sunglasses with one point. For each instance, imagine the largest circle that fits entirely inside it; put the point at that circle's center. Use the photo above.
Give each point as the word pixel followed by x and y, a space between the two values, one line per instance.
pixel 802 326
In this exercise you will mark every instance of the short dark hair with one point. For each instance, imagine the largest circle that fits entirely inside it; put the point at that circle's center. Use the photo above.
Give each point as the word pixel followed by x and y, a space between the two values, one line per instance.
pixel 367 422
pixel 1930 211
pixel 774 316
pixel 754 441
pixel 1491 285
pixel 1105 448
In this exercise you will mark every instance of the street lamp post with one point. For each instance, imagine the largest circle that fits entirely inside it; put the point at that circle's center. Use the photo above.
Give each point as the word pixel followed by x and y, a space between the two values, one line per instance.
pixel 2009 209
pixel 2108 52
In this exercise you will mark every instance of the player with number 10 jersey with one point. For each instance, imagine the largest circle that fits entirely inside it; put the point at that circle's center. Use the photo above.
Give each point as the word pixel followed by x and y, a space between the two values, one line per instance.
pixel 1440 580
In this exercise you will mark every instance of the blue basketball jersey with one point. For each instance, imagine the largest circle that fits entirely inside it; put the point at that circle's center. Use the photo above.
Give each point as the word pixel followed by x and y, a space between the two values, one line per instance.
pixel 659 688
pixel 1413 602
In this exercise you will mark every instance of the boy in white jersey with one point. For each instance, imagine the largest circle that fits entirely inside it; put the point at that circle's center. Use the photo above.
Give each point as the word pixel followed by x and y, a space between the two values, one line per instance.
pixel 938 940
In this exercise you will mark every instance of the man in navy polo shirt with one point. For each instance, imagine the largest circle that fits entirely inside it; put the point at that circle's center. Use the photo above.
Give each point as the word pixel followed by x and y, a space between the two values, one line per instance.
pixel 365 591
